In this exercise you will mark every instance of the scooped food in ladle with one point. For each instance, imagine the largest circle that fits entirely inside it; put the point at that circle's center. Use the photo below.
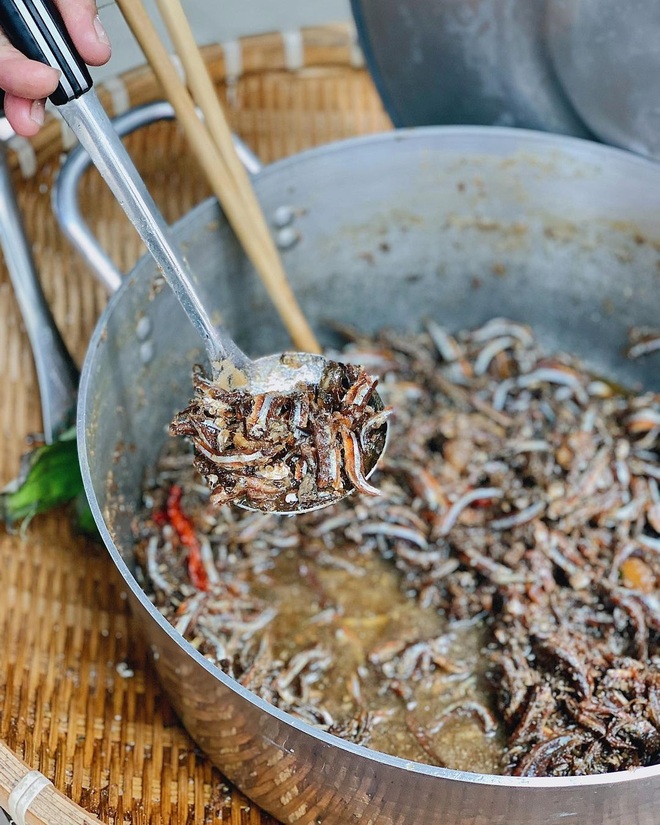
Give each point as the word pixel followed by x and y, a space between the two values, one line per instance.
pixel 285 449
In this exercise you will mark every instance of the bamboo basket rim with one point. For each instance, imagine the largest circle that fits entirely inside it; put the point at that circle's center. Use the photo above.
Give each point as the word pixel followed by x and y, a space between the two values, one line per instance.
pixel 304 50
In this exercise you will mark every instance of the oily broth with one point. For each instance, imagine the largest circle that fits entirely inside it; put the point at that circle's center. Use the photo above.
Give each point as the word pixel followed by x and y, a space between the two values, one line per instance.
pixel 366 611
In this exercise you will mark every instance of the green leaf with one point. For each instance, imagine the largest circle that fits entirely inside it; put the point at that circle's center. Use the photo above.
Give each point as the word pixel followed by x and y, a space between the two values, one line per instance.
pixel 49 477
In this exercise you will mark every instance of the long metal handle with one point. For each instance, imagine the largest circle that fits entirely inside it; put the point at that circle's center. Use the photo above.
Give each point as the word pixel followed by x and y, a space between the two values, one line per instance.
pixel 66 189
pixel 56 373
pixel 92 127
pixel 65 194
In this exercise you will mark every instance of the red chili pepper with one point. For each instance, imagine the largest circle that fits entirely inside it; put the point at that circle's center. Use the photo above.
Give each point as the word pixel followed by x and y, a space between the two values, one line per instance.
pixel 160 517
pixel 188 537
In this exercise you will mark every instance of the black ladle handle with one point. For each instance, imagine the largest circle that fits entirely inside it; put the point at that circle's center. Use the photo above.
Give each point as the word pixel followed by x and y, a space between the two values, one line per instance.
pixel 36 28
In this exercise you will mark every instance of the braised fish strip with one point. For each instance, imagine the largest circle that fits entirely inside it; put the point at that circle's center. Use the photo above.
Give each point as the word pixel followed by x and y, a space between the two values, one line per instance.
pixel 495 609
pixel 272 448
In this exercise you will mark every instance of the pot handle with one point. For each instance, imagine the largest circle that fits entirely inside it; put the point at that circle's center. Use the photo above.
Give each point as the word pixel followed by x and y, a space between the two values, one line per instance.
pixel 65 191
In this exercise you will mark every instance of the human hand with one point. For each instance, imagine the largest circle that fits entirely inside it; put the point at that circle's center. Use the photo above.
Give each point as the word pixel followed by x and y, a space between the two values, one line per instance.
pixel 27 82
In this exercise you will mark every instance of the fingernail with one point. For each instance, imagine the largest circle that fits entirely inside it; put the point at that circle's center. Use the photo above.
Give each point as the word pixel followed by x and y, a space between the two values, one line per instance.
pixel 101 32
pixel 38 112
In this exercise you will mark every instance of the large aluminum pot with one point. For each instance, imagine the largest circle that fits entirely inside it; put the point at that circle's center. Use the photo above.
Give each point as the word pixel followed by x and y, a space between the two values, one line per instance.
pixel 459 224
pixel 606 56
pixel 560 65
pixel 451 61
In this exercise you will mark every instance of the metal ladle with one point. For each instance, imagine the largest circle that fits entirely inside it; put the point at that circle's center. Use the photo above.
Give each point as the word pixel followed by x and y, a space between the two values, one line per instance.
pixel 35 27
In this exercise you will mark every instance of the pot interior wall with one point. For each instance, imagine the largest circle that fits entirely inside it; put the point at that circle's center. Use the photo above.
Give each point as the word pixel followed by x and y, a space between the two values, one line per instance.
pixel 458 225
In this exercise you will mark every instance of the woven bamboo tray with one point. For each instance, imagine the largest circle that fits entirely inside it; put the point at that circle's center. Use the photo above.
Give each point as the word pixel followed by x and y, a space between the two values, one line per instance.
pixel 79 701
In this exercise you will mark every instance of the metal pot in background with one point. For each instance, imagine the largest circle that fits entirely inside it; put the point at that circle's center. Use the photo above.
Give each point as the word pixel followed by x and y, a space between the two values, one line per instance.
pixel 451 61
pixel 588 68
pixel 459 224
pixel 607 57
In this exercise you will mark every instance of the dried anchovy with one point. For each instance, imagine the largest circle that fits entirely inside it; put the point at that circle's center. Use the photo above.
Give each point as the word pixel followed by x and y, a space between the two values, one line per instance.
pixel 273 449
pixel 519 494
pixel 642 342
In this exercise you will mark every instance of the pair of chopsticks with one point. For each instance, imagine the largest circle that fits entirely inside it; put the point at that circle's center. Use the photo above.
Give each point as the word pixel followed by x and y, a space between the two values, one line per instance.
pixel 211 141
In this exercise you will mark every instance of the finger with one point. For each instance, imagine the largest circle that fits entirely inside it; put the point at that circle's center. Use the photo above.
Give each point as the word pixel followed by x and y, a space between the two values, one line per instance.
pixel 25 116
pixel 86 30
pixel 25 78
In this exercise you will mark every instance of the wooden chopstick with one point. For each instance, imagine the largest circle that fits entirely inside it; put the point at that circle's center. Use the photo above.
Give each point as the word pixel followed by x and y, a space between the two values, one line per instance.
pixel 219 161
pixel 206 98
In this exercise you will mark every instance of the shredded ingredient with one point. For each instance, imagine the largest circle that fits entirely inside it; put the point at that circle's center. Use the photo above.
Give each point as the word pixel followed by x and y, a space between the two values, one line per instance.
pixel 274 450
pixel 496 609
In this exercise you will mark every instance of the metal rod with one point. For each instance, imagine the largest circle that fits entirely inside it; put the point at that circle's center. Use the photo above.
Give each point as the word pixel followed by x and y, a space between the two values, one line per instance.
pixel 91 125
pixel 56 372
